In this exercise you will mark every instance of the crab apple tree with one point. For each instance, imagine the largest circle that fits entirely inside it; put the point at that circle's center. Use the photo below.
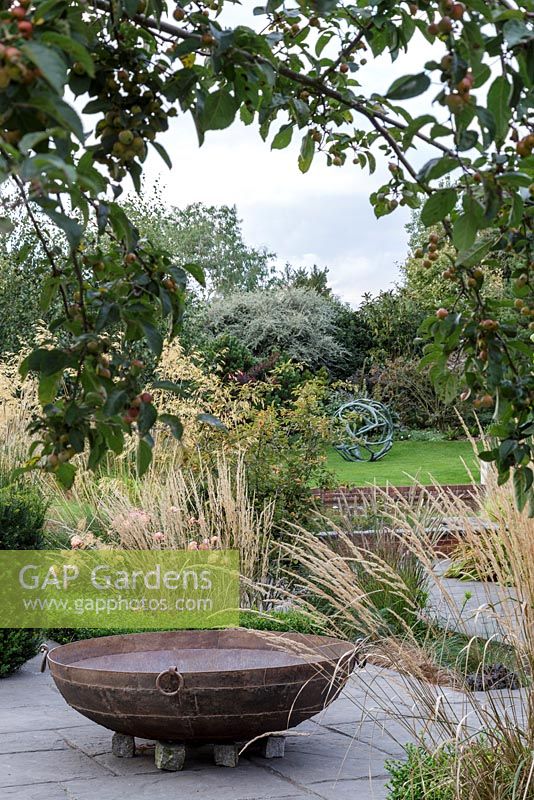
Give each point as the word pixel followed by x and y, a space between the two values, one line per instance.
pixel 462 154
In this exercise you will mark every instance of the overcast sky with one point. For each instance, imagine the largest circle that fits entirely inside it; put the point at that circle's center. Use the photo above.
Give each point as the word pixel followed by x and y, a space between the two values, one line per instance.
pixel 323 217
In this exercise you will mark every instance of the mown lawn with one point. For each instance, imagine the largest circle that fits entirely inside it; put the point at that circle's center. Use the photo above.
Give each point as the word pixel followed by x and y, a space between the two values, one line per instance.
pixel 408 462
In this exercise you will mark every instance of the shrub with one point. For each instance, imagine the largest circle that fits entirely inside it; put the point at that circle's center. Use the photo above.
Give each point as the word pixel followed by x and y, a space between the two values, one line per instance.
pixel 402 385
pixel 280 426
pixel 273 621
pixel 423 776
pixel 228 355
pixel 16 647
pixel 294 321
pixel 22 516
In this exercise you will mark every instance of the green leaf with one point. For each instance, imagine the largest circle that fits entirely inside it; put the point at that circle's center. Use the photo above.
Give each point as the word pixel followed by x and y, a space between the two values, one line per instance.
pixel 515 31
pixel 65 475
pixel 147 417
pixel 464 231
pixel 196 271
pixel 70 227
pixel 322 41
pixel 29 140
pixel 499 105
pixel 516 211
pixel 437 168
pixel 51 64
pixel 72 47
pixel 115 402
pixel 215 422
pixel 515 178
pixel 48 292
pixel 153 337
pixel 169 386
pixel 283 137
pixel 522 482
pixel 174 424
pixel 114 437
pixel 307 151
pixel 219 110
pixel 143 456
pixel 6 226
pixel 474 255
pixel 438 206
pixel 408 86
pixel 45 362
pixel 163 153
pixel 48 385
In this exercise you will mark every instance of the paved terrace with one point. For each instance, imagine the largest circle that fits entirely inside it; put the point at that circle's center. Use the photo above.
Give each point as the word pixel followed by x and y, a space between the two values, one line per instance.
pixel 49 752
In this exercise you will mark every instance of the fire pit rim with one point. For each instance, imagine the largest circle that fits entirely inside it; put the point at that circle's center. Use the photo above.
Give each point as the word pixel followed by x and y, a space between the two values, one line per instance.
pixel 336 650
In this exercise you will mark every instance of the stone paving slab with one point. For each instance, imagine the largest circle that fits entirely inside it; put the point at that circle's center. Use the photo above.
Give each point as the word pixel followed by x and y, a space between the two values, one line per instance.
pixel 19 769
pixel 364 789
pixel 243 783
pixel 31 741
pixel 42 791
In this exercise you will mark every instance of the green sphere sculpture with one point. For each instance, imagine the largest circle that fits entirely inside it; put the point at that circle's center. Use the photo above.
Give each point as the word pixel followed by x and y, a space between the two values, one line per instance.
pixel 368 430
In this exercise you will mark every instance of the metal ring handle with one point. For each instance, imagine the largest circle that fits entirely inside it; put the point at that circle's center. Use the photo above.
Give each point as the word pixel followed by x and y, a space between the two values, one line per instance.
pixel 44 649
pixel 173 671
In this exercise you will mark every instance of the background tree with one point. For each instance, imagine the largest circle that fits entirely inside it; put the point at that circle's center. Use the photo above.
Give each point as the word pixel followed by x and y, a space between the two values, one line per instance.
pixel 209 236
pixel 315 278
pixel 303 70
pixel 429 277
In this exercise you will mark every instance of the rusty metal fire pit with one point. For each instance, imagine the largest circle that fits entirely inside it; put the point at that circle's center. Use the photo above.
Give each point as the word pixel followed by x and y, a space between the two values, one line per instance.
pixel 201 686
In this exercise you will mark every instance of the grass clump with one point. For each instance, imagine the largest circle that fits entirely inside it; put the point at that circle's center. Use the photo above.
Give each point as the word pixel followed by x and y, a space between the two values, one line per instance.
pixel 422 776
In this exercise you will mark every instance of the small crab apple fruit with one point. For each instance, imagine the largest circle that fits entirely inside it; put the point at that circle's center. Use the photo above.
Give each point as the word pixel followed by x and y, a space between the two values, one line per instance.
pixel 445 25
pixel 457 11
pixel 442 313
pixel 25 28
pixel 455 103
pixel 344 68
pixel 146 397
pixel 489 325
pixel 17 12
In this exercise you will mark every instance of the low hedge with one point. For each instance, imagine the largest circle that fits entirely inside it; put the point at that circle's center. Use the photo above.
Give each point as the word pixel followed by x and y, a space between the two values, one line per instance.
pixel 16 647
pixel 22 518
pixel 276 621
